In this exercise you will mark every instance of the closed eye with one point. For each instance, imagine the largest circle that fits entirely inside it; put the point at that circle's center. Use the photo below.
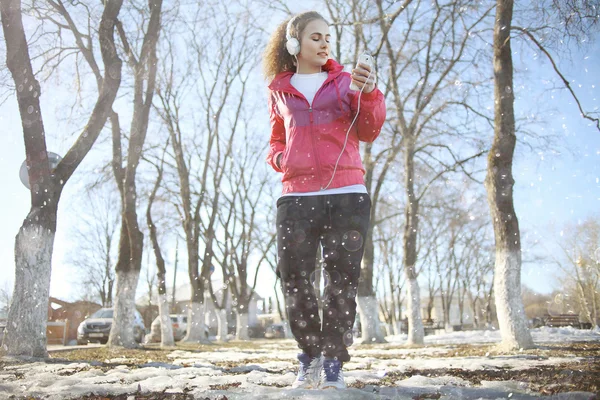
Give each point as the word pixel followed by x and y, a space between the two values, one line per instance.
pixel 317 37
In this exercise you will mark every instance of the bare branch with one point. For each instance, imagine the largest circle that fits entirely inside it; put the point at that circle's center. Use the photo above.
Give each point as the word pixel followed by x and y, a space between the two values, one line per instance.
pixel 596 121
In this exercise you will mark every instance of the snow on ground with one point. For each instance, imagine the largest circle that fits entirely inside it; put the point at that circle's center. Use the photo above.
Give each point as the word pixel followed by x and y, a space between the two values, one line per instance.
pixel 267 370
pixel 540 335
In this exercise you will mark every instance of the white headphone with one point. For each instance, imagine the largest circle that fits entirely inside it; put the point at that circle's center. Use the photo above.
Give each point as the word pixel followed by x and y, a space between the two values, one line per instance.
pixel 292 44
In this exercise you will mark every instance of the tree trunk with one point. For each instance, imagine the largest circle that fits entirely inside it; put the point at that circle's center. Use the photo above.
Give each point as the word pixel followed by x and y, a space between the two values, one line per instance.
pixel 461 306
pixel 448 324
pixel 473 303
pixel 196 326
pixel 499 185
pixel 430 304
pixel 121 331
pixel 166 326
pixel 371 331
pixel 130 259
pixel 370 326
pixel 393 309
pixel 489 319
pixel 416 333
pixel 583 301
pixel 594 305
pixel 280 311
pixel 395 324
pixel 223 325
pixel 127 273
pixel 28 313
pixel 241 328
pixel 174 294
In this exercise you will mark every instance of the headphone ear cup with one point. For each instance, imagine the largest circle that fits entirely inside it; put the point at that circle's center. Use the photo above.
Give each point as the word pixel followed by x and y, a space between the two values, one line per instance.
pixel 293 46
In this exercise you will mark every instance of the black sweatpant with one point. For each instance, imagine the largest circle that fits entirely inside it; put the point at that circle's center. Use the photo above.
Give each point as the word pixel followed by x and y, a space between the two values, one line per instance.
pixel 339 222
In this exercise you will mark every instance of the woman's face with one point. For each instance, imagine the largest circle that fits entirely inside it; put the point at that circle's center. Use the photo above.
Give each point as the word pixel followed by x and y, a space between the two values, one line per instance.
pixel 314 47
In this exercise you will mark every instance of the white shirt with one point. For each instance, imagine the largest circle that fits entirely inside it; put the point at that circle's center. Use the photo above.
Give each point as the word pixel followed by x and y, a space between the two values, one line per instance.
pixel 341 190
pixel 309 85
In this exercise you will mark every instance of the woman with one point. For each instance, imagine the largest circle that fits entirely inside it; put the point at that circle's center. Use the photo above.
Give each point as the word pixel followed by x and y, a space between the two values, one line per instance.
pixel 317 122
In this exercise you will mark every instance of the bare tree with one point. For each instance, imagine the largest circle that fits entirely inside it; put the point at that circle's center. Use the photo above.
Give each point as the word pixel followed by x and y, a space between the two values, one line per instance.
pixel 166 328
pixel 477 270
pixel 452 239
pixel 390 280
pixel 418 107
pixel 499 185
pixel 223 302
pixel 144 67
pixel 26 330
pixel 563 22
pixel 246 235
pixel 95 235
pixel 461 245
pixel 476 275
pixel 202 155
pixel 499 180
pixel 269 250
pixel 581 248
pixel 358 16
pixel 433 228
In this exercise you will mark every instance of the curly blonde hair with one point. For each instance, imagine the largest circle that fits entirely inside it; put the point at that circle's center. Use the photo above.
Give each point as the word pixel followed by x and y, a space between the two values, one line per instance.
pixel 276 58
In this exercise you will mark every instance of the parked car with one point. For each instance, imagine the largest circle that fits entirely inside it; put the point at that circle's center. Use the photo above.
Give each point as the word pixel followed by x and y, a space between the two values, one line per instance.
pixel 275 331
pixel 96 328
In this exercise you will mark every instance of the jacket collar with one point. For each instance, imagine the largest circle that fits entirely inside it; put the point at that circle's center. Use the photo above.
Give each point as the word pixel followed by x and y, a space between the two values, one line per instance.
pixel 281 82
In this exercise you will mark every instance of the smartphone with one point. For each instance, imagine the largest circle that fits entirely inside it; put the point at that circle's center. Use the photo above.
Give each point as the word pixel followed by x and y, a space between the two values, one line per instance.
pixel 363 59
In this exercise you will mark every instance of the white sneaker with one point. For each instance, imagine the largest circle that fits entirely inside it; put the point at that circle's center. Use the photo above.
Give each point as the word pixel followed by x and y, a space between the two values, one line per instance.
pixel 332 376
pixel 308 372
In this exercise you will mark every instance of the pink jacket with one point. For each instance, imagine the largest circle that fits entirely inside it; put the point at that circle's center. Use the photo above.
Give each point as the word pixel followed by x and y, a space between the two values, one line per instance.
pixel 311 139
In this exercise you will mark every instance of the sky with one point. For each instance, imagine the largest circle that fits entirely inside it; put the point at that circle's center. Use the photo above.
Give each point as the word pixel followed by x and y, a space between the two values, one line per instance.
pixel 265 370
pixel 556 186
pixel 561 184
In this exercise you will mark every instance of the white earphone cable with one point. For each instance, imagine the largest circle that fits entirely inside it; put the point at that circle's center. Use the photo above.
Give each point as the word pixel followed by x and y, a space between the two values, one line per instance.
pixel 347 134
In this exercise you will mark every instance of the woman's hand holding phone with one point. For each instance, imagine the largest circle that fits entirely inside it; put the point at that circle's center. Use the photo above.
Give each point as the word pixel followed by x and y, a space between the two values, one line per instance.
pixel 364 74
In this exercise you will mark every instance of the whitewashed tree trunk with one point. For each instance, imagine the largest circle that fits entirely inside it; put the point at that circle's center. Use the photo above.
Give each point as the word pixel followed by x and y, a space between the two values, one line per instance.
pixel 28 313
pixel 166 326
pixel 121 332
pixel 396 325
pixel 196 325
pixel 223 325
pixel 370 326
pixel 447 323
pixel 499 184
pixel 241 329
pixel 509 306
pixel 416 334
pixel 472 303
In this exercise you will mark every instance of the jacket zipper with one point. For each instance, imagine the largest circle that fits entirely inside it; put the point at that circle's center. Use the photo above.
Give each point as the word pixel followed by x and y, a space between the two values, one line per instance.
pixel 314 146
